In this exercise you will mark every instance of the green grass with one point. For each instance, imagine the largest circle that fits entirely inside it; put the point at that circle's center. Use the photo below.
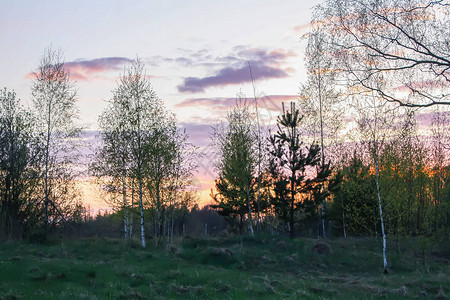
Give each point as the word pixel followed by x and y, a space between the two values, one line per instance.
pixel 264 267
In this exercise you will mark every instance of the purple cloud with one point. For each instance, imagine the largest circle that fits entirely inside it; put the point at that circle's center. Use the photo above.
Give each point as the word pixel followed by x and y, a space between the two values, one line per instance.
pixel 234 68
pixel 230 75
pixel 81 68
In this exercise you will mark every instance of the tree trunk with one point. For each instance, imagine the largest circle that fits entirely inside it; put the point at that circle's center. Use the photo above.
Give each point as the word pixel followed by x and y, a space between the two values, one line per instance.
pixel 343 220
pixel 141 209
pixel 258 219
pixel 139 165
pixel 125 208
pixel 131 215
pixel 292 208
pixel 322 207
pixel 385 270
pixel 291 219
pixel 250 220
pixel 47 150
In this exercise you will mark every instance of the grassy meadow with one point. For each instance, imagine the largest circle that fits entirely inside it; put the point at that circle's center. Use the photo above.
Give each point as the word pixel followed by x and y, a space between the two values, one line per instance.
pixel 264 267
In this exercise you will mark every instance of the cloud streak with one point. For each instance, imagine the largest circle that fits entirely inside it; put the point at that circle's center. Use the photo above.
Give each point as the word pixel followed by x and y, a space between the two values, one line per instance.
pixel 234 68
pixel 81 69
pixel 268 102
pixel 84 69
pixel 230 75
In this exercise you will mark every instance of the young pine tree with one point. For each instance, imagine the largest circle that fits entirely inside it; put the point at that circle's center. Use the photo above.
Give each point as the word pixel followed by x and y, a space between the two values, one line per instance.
pixel 296 171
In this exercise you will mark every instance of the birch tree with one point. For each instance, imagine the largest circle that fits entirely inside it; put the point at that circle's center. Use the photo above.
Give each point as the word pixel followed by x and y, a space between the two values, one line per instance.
pixel 161 154
pixel 404 41
pixel 319 100
pixel 261 139
pixel 54 103
pixel 137 142
pixel 19 158
pixel 143 154
pixel 374 123
pixel 237 163
pixel 112 164
pixel 180 187
pixel 145 116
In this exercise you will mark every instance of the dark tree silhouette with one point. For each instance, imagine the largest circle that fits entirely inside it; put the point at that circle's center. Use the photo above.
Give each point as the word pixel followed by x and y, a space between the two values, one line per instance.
pixel 18 169
pixel 296 171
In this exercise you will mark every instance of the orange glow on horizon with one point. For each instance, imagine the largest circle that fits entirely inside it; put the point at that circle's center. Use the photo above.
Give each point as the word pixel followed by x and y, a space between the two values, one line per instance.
pixel 92 197
pixel 94 200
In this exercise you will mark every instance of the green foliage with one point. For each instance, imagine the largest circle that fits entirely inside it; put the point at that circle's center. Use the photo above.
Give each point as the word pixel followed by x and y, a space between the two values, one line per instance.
pixel 415 196
pixel 19 158
pixel 296 172
pixel 144 159
pixel 236 186
pixel 354 203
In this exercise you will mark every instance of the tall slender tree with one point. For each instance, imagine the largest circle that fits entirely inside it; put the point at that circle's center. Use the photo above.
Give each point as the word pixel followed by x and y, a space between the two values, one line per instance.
pixel 54 103
pixel 19 158
pixel 374 119
pixel 319 100
pixel 180 191
pixel 113 160
pixel 138 141
pixel 237 163
pixel 260 154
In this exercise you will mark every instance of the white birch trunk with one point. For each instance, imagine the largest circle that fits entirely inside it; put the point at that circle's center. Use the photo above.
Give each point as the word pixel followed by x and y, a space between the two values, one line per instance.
pixel 139 161
pixel 377 181
pixel 141 204
pixel 385 270
pixel 130 225
pixel 47 154
pixel 125 208
pixel 131 213
pixel 141 209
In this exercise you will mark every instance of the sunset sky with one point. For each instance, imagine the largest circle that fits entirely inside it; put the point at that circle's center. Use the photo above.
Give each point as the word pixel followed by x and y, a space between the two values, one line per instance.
pixel 196 52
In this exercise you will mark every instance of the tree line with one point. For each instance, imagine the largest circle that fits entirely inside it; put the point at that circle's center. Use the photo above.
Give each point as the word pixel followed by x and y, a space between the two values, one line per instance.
pixel 144 165
pixel 145 161
pixel 346 159
pixel 375 63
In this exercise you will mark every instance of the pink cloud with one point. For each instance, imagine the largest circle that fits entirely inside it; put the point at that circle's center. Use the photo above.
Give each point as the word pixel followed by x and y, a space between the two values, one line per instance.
pixel 86 69
pixel 98 64
pixel 302 28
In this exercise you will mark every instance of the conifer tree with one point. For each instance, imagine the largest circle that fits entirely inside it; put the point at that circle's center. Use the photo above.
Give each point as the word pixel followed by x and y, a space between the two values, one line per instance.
pixel 296 171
